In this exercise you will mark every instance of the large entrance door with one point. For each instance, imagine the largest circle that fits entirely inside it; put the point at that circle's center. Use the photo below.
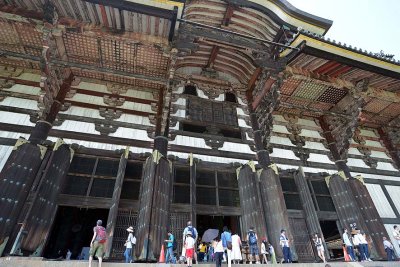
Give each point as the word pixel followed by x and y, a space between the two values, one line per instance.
pixel 205 222
pixel 332 238
pixel 73 230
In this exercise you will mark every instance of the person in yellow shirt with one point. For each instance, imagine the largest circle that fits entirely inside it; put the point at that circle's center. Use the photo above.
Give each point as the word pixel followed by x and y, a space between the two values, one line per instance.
pixel 202 251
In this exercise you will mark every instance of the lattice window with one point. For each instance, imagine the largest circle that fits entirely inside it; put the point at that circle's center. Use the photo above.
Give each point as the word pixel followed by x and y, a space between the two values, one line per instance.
pixel 309 90
pixel 332 95
pixel 177 223
pixel 301 239
pixel 124 220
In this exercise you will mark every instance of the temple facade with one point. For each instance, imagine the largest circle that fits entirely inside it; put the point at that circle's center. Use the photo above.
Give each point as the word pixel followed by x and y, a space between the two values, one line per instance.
pixel 150 113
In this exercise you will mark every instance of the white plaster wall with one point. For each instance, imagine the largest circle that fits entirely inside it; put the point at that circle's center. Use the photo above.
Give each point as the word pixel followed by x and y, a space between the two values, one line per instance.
pixel 181 113
pixel 280 129
pixel 306 122
pixel 240 111
pixel 376 176
pixel 389 230
pixel 180 101
pixel 283 153
pixel 5 152
pixel 354 151
pixel 15 118
pixel 130 118
pixel 235 147
pixel 13 135
pixel 209 158
pixel 394 193
pixel 189 141
pixel 24 89
pixel 357 163
pixel 85 112
pixel 373 143
pixel 379 154
pixel 281 140
pixel 380 201
pixel 319 158
pixel 242 123
pixel 368 133
pixel 19 103
pixel 77 126
pixel 130 133
pixel 386 166
pixel 315 145
pixel 310 133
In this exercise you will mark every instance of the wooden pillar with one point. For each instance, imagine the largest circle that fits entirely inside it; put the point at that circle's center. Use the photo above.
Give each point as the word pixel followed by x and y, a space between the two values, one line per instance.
pixel 41 213
pixel 112 214
pixel 154 197
pixel 250 201
pixel 275 208
pixel 311 216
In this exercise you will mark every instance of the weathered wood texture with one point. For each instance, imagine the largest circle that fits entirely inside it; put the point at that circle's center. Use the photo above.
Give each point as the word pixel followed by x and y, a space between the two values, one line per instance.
pixel 301 240
pixel 250 202
pixel 153 216
pixel 38 222
pixel 376 228
pixel 275 209
pixel 113 213
pixel 193 214
pixel 310 214
pixel 16 180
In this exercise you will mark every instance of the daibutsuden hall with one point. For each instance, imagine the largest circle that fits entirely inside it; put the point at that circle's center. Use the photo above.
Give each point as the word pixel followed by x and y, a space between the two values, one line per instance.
pixel 151 113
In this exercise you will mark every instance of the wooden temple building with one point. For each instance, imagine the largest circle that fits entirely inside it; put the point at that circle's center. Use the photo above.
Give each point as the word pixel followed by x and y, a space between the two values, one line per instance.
pixel 150 113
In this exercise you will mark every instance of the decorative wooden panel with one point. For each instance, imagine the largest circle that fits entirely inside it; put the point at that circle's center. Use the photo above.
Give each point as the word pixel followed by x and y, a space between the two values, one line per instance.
pixel 211 112
pixel 177 223
pixel 42 212
pixel 302 240
pixel 123 221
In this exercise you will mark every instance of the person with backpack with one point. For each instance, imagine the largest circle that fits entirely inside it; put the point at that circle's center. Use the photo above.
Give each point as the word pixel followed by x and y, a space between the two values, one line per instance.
pixel 129 245
pixel 171 246
pixel 252 239
pixel 284 242
pixel 194 235
pixel 97 245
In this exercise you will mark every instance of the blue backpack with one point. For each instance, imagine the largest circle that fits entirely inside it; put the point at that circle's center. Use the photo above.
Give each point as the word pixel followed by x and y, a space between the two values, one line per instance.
pixel 191 229
pixel 252 238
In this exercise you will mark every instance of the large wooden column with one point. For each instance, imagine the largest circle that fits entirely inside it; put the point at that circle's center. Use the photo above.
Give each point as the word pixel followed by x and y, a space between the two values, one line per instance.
pixel 310 213
pixel 154 198
pixel 193 214
pixel 38 221
pixel 250 200
pixel 112 214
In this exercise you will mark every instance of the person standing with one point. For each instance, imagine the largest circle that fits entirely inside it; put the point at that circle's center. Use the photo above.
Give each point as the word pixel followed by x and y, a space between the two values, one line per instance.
pixel 218 252
pixel 272 253
pixel 389 249
pixel 226 238
pixel 252 239
pixel 189 246
pixel 319 246
pixel 396 234
pixel 97 244
pixel 129 245
pixel 284 242
pixel 236 254
pixel 202 251
pixel 364 243
pixel 349 245
pixel 264 251
pixel 193 231
pixel 170 249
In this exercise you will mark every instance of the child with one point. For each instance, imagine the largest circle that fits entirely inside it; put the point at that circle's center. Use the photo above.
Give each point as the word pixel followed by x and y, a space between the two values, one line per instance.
pixel 264 251
pixel 272 253
pixel 189 245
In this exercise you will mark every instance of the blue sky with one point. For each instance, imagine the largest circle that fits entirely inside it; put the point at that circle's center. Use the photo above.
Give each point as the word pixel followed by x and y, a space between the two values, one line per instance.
pixel 373 25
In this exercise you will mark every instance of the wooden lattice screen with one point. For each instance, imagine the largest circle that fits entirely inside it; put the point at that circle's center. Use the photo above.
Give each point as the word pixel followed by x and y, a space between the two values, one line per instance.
pixel 177 222
pixel 124 220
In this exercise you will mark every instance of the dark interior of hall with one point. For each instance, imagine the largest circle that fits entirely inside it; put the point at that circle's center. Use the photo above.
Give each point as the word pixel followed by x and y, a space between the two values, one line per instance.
pixel 205 222
pixel 73 230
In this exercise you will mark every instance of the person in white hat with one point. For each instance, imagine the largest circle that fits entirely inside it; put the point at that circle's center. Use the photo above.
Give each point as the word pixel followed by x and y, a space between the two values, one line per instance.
pixel 129 243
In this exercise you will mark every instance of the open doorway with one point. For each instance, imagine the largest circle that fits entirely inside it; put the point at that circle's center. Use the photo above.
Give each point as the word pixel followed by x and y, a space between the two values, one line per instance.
pixel 205 222
pixel 73 230
pixel 332 238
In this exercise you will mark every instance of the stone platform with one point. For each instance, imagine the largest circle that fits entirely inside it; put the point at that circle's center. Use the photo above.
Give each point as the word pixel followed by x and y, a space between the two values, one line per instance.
pixel 38 262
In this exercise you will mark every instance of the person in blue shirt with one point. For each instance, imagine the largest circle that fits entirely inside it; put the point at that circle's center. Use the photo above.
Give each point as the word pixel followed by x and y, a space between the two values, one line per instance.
pixel 226 239
pixel 170 249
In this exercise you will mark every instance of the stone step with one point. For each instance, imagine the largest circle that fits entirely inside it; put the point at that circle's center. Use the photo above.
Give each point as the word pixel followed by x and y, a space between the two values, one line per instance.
pixel 38 262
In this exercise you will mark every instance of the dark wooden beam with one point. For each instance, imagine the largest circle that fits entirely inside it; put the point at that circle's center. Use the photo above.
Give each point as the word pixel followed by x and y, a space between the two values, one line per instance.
pixel 253 79
pixel 228 15
pixel 213 56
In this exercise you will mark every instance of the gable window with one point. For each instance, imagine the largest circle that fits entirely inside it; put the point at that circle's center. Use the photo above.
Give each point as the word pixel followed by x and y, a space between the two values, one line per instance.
pixel 230 97
pixel 190 90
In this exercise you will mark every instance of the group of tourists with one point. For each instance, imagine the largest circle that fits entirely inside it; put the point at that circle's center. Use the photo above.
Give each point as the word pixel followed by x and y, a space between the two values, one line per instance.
pixel 227 247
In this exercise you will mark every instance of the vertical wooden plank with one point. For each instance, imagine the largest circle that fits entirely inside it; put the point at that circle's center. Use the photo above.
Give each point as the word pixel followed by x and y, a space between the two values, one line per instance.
pixel 250 201
pixel 311 217
pixel 112 215
pixel 275 208
pixel 41 214
pixel 193 214
pixel 16 180
pixel 301 240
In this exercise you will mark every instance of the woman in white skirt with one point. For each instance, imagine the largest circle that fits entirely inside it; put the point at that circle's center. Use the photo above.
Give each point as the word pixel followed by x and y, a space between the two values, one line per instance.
pixel 236 253
pixel 319 246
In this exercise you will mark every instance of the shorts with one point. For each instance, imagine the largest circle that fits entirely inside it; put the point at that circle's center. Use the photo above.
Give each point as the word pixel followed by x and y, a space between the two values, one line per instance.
pixel 189 252
pixel 97 249
pixel 320 248
pixel 253 249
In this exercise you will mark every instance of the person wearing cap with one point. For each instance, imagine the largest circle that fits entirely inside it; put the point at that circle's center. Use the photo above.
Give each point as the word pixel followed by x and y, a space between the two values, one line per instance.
pixel 189 246
pixel 284 242
pixel 170 248
pixel 129 244
pixel 97 245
